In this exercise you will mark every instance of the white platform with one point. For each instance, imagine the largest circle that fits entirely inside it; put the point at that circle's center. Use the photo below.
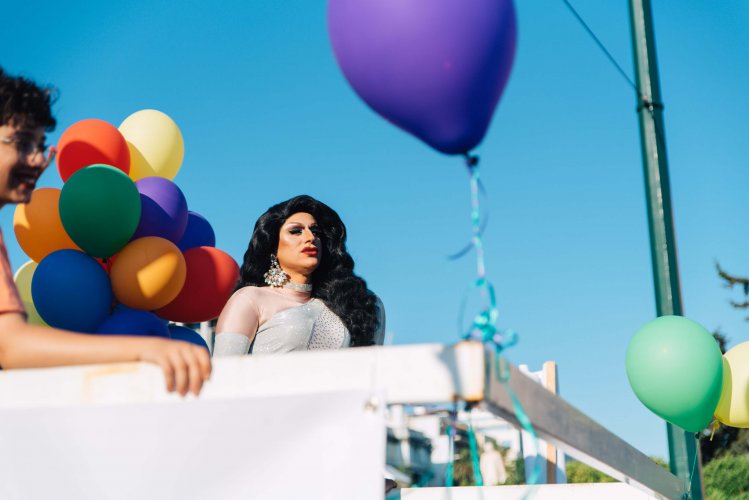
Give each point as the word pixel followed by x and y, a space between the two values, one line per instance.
pixel 417 374
pixel 592 491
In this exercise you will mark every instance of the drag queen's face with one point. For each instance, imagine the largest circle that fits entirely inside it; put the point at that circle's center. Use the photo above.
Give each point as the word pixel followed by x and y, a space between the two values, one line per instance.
pixel 299 247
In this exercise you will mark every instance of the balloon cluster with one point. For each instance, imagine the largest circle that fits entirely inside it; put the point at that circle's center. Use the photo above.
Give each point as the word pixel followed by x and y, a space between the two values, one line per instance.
pixel 116 251
pixel 676 369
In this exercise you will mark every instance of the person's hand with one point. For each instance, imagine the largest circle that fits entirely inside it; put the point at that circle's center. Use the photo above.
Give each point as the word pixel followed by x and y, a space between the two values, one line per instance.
pixel 186 366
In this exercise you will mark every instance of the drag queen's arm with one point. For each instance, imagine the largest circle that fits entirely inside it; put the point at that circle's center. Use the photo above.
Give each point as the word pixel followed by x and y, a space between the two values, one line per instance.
pixel 379 334
pixel 236 326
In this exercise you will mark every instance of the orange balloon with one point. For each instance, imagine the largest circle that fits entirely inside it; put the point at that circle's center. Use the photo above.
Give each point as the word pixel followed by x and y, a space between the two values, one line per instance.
pixel 91 142
pixel 148 273
pixel 38 226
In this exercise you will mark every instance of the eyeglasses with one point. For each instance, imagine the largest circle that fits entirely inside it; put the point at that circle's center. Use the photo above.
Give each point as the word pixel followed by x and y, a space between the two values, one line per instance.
pixel 26 147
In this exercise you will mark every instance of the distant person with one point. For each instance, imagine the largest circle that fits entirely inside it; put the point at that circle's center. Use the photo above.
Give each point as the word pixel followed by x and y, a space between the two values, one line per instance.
pixel 492 465
pixel 297 289
pixel 25 115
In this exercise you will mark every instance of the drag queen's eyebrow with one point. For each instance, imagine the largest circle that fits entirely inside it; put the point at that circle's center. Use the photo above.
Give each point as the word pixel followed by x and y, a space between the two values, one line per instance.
pixel 299 224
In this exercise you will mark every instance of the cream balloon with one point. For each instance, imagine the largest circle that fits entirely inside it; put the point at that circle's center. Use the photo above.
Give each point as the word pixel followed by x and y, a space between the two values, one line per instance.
pixel 23 278
pixel 733 407
pixel 155 142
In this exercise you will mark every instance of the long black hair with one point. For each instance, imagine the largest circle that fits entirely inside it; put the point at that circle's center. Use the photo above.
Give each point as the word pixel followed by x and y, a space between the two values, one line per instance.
pixel 334 281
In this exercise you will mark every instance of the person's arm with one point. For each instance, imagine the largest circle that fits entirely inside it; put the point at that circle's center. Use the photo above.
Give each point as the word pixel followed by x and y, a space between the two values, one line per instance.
pixel 379 334
pixel 186 366
pixel 237 325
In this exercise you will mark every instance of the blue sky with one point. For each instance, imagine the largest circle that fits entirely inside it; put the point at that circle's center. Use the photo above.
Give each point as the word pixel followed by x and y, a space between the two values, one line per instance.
pixel 266 114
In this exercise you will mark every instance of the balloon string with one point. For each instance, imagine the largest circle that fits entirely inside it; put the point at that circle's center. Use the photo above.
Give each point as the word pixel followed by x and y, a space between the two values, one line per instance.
pixel 472 162
pixel 484 325
pixel 469 246
pixel 503 375
pixel 688 485
pixel 478 228
pixel 478 480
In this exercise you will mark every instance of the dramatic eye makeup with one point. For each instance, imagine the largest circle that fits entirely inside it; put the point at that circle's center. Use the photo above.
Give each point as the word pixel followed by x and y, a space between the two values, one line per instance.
pixel 296 228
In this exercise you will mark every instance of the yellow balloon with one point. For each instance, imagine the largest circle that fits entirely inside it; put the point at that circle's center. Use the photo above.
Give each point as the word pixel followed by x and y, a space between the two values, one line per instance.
pixel 155 142
pixel 148 273
pixel 23 278
pixel 733 407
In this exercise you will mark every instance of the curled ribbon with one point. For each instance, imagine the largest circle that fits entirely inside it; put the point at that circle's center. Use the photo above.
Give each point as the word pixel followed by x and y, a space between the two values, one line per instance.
pixel 483 328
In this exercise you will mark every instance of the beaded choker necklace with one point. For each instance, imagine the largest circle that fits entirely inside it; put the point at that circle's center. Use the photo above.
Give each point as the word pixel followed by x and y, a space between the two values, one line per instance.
pixel 298 287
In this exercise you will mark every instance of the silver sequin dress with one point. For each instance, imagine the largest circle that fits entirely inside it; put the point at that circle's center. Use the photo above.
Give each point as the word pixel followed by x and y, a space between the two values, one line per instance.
pixel 264 320
pixel 305 327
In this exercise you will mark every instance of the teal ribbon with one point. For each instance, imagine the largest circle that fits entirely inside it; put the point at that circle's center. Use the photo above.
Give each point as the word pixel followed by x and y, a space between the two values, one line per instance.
pixel 482 227
pixel 503 375
pixel 484 329
pixel 424 480
pixel 475 461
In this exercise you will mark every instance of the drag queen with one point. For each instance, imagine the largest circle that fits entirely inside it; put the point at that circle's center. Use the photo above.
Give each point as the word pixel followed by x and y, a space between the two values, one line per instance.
pixel 297 288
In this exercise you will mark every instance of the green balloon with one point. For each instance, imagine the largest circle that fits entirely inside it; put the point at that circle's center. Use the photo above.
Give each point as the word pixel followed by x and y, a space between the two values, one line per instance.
pixel 100 209
pixel 675 368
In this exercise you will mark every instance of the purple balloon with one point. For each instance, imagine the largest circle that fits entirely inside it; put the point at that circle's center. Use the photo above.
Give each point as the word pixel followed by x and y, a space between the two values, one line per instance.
pixel 435 68
pixel 198 233
pixel 164 209
pixel 126 321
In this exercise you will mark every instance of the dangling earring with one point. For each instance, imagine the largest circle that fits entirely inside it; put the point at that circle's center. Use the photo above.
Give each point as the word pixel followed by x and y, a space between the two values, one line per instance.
pixel 275 276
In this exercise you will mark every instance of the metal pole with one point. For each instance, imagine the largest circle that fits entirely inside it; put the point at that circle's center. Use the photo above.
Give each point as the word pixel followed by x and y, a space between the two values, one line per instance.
pixel 682 445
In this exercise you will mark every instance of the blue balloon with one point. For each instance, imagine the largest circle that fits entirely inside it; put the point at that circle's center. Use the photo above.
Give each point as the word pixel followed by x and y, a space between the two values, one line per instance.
pixel 198 233
pixel 71 291
pixel 127 321
pixel 183 333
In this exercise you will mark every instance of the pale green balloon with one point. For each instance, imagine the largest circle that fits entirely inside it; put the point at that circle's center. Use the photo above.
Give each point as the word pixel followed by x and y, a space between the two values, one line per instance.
pixel 675 368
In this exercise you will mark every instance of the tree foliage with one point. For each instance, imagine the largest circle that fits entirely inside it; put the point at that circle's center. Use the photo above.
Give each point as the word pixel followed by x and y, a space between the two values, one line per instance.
pixel 726 441
pixel 730 281
pixel 727 478
pixel 516 471
pixel 578 472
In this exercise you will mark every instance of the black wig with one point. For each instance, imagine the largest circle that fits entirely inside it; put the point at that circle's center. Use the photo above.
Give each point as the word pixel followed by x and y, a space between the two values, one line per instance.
pixel 334 280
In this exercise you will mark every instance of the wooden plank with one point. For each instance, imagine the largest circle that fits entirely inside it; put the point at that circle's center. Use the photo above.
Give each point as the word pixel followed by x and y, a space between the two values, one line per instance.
pixel 550 382
pixel 578 435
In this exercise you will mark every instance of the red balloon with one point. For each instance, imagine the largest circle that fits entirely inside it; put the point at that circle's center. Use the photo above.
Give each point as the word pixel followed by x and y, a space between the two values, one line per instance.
pixel 106 263
pixel 211 277
pixel 91 142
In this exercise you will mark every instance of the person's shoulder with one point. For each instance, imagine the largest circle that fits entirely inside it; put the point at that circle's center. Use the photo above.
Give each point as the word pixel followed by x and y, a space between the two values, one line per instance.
pixel 251 292
pixel 246 299
pixel 379 306
pixel 379 333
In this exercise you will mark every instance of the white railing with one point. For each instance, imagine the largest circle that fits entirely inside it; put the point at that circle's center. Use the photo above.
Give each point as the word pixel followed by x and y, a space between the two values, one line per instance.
pixel 415 374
